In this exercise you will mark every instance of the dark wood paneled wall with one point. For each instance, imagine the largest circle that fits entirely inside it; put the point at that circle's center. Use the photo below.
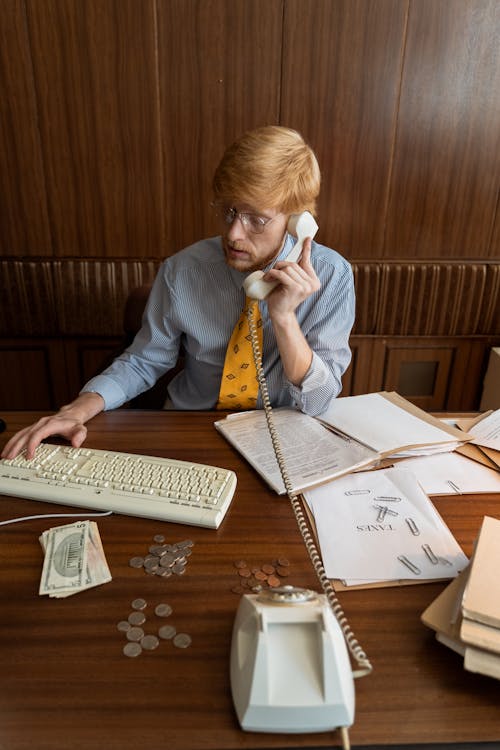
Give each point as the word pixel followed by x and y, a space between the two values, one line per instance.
pixel 114 114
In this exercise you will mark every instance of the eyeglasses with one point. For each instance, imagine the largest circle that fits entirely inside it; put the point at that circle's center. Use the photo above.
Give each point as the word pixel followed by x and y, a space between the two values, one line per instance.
pixel 252 223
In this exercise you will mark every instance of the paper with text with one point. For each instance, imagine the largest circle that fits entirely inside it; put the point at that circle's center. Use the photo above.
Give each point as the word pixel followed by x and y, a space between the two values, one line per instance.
pixel 312 453
pixel 487 431
pixel 360 541
pixel 375 421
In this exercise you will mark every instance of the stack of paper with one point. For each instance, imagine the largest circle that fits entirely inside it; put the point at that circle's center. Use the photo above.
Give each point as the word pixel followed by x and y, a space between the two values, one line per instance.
pixel 74 559
pixel 355 432
pixel 391 425
pixel 485 444
pixel 451 473
pixel 466 615
pixel 312 453
pixel 380 527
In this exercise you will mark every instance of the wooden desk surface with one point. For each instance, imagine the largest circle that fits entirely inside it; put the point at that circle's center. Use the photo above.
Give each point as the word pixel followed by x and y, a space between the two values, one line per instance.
pixel 66 683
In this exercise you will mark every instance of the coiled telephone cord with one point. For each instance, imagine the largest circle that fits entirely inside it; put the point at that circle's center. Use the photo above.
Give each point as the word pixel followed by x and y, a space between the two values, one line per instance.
pixel 357 652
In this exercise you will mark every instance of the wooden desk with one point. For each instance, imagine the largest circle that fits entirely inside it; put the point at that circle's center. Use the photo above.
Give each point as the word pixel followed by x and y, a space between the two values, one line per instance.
pixel 67 685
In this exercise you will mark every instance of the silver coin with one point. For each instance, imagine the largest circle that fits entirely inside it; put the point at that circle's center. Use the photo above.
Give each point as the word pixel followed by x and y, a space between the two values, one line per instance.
pixel 123 626
pixel 185 543
pixel 135 634
pixel 150 642
pixel 167 560
pixel 156 550
pixel 159 538
pixel 132 649
pixel 163 572
pixel 163 610
pixel 179 569
pixel 136 562
pixel 139 604
pixel 136 618
pixel 166 632
pixel 182 640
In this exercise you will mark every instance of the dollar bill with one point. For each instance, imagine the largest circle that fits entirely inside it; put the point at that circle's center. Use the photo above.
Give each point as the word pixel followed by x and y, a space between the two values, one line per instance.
pixel 74 559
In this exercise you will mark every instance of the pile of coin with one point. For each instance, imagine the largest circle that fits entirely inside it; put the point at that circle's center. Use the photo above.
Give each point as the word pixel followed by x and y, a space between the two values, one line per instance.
pixel 138 640
pixel 254 579
pixel 164 559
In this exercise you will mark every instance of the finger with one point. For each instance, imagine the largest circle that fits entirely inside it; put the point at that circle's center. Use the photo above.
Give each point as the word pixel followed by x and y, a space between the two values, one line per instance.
pixel 305 258
pixel 79 436
pixel 16 444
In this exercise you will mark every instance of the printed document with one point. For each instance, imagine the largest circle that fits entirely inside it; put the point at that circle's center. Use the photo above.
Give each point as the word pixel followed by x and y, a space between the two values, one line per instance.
pixel 376 420
pixel 486 432
pixel 312 453
pixel 381 526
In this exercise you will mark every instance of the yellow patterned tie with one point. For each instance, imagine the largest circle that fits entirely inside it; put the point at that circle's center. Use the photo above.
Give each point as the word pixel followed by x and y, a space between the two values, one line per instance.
pixel 239 385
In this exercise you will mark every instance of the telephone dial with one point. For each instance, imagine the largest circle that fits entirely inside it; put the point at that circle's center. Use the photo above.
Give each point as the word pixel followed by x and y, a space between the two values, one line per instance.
pixel 301 226
pixel 290 668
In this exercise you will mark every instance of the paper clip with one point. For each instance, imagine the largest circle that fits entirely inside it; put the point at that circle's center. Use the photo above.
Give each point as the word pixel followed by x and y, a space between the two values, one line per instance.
pixel 391 499
pixel 430 554
pixel 444 561
pixel 382 512
pixel 412 526
pixel 357 492
pixel 386 511
pixel 411 566
pixel 454 487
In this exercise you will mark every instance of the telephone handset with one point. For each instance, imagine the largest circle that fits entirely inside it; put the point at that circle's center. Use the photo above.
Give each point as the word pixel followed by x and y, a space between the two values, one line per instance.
pixel 301 226
pixel 272 629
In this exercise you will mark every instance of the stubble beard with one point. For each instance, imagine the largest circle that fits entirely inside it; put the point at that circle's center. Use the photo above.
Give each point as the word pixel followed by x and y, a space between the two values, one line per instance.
pixel 248 266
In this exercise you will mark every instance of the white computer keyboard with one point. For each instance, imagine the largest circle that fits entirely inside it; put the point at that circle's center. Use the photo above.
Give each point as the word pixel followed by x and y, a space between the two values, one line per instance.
pixel 161 488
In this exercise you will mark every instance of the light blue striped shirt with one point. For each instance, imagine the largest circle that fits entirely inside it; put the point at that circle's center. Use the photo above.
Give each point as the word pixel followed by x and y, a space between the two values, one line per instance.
pixel 195 302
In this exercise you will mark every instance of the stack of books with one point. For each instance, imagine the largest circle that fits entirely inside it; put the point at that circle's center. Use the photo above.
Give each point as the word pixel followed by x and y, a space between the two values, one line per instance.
pixel 466 615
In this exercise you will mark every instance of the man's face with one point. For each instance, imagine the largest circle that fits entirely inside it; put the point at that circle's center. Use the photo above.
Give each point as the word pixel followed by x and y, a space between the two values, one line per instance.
pixel 246 250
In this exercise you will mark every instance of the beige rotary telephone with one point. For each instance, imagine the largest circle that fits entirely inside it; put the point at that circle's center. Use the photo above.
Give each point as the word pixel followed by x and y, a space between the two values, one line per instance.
pixel 290 667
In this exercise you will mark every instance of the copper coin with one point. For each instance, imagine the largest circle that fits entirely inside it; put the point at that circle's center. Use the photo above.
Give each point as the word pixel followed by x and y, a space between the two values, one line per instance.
pixel 283 572
pixel 273 581
pixel 269 569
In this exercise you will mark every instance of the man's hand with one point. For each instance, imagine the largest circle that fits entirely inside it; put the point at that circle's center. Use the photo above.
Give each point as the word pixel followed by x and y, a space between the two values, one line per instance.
pixel 297 281
pixel 69 422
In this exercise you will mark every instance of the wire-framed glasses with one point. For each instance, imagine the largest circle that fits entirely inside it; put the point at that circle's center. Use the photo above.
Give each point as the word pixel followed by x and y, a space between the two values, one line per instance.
pixel 253 223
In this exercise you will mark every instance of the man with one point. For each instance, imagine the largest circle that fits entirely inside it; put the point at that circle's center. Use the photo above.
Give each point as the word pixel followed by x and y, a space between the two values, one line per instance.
pixel 263 178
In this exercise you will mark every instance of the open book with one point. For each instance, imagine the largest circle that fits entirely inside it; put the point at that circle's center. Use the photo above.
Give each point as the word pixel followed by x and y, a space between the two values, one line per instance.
pixel 354 433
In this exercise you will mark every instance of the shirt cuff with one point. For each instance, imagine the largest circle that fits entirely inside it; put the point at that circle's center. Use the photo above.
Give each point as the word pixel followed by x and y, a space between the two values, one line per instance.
pixel 317 377
pixel 108 388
